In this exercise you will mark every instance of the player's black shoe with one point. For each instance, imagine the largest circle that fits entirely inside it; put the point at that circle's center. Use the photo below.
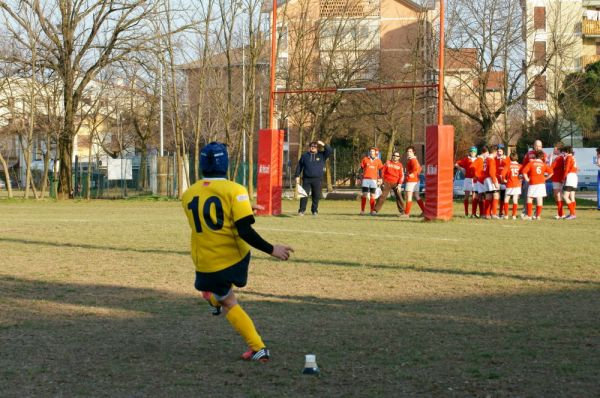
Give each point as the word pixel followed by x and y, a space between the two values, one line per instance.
pixel 261 355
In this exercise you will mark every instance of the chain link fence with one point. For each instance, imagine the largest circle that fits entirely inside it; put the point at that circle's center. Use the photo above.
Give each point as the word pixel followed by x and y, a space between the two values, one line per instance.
pixel 108 178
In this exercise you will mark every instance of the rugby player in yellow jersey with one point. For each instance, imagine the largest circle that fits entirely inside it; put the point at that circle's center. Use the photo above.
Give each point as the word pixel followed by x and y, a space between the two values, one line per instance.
pixel 221 217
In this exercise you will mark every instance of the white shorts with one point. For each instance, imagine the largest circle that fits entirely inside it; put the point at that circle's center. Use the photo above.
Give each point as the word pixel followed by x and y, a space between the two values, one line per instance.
pixel 468 185
pixel 489 185
pixel 368 183
pixel 537 191
pixel 479 187
pixel 571 180
pixel 513 191
pixel 557 186
pixel 410 186
pixel 503 187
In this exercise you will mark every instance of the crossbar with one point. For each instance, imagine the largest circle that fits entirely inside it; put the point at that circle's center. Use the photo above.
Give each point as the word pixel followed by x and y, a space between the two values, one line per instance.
pixel 354 89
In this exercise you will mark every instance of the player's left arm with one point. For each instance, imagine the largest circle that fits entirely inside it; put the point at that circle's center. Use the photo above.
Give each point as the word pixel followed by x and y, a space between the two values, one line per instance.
pixel 550 172
pixel 326 150
pixel 248 234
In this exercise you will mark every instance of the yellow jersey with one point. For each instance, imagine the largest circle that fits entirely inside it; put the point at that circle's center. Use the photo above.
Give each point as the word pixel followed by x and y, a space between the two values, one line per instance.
pixel 212 207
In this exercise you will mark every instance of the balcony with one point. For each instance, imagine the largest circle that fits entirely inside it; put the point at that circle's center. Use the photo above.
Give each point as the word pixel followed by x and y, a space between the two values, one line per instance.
pixel 589 59
pixel 591 3
pixel 590 28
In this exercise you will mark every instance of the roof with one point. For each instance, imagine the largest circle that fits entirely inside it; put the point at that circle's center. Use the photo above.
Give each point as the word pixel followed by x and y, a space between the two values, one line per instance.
pixel 267 5
pixel 495 80
pixel 235 55
pixel 460 58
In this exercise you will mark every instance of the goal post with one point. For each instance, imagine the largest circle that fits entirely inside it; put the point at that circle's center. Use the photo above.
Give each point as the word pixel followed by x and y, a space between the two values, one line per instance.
pixel 439 142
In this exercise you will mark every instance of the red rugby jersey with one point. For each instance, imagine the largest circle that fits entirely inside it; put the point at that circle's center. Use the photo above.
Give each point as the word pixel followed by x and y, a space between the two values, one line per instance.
pixel 413 168
pixel 393 172
pixel 510 174
pixel 501 164
pixel 535 170
pixel 570 164
pixel 467 164
pixel 371 168
pixel 529 156
pixel 478 167
pixel 558 169
pixel 490 169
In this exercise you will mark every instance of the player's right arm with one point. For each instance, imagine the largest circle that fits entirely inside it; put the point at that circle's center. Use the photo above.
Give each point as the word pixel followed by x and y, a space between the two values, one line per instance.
pixel 525 172
pixel 461 166
pixel 299 169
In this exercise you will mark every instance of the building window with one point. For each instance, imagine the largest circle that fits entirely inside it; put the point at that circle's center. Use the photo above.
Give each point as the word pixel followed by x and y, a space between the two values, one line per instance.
pixel 540 88
pixel 539 18
pixel 539 53
pixel 539 115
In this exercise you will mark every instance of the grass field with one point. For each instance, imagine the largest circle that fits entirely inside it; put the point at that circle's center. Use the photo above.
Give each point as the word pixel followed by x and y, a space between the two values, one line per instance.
pixel 97 299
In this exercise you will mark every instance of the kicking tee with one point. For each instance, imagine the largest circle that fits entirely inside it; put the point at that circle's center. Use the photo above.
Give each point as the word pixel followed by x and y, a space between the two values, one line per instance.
pixel 212 207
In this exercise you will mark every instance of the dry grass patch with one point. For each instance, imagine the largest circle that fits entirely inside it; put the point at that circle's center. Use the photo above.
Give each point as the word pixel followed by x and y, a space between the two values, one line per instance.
pixel 97 299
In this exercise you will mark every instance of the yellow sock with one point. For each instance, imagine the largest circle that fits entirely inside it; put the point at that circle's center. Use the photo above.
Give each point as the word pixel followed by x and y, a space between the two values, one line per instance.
pixel 245 327
pixel 213 301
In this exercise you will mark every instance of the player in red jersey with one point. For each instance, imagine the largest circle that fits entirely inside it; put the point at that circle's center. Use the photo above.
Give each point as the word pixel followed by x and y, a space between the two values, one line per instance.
pixel 370 179
pixel 393 176
pixel 557 161
pixel 413 168
pixel 478 179
pixel 532 153
pixel 466 166
pixel 570 181
pixel 530 156
pixel 502 161
pixel 536 172
pixel 491 184
pixel 510 176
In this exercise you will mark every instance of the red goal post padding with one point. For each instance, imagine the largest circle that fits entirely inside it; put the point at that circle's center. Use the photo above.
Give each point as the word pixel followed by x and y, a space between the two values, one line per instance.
pixel 269 178
pixel 439 172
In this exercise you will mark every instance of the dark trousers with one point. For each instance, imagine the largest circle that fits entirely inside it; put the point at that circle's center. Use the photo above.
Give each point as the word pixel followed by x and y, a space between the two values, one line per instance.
pixel 502 195
pixel 386 187
pixel 524 189
pixel 312 186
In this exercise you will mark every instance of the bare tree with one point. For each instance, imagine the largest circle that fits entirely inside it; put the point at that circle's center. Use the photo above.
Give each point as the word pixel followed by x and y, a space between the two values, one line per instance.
pixel 496 30
pixel 78 39
pixel 142 110
pixel 331 47
pixel 198 75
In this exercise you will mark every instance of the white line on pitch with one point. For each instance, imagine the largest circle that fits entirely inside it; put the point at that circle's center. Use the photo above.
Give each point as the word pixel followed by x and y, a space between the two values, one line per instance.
pixel 353 234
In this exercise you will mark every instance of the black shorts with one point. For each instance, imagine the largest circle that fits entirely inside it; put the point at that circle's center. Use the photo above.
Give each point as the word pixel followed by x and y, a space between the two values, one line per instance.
pixel 368 190
pixel 569 189
pixel 220 282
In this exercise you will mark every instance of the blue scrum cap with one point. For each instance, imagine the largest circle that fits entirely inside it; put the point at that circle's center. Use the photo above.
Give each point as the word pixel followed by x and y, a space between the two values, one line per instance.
pixel 500 146
pixel 214 160
pixel 473 149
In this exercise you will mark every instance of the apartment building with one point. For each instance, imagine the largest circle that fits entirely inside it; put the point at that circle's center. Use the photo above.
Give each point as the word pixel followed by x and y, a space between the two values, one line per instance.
pixel 463 79
pixel 562 37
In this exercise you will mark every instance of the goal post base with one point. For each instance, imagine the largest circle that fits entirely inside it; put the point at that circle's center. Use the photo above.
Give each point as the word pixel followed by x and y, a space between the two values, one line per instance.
pixel 269 180
pixel 439 172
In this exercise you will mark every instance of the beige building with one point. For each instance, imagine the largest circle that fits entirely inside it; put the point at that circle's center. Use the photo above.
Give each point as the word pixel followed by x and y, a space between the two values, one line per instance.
pixel 356 43
pixel 565 35
pixel 463 77
pixel 99 117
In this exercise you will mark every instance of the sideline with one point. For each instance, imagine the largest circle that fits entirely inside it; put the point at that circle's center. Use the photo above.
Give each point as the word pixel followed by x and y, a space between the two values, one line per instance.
pixel 355 234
